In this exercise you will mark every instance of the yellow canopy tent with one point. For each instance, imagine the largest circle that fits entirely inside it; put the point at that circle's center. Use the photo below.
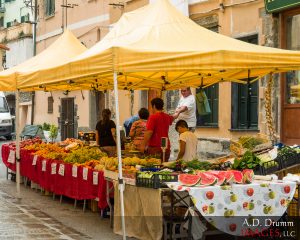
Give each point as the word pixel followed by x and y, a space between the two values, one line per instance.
pixel 66 47
pixel 158 47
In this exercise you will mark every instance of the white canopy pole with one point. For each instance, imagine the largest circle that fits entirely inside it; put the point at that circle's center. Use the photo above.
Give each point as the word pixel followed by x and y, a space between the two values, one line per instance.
pixel 17 129
pixel 121 183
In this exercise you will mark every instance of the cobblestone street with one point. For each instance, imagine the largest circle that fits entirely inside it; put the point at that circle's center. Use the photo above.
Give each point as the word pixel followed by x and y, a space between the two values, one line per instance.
pixel 21 221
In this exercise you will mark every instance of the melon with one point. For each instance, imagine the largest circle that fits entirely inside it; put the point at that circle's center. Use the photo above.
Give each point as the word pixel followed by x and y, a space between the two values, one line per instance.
pixel 220 177
pixel 207 179
pixel 227 175
pixel 188 179
pixel 248 175
pixel 237 176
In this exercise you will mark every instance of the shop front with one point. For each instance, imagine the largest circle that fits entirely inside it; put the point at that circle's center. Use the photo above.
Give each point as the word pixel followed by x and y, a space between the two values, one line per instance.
pixel 289 32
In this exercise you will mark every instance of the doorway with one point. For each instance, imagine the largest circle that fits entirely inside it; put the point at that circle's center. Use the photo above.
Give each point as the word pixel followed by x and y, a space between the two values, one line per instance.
pixel 67 118
pixel 290 82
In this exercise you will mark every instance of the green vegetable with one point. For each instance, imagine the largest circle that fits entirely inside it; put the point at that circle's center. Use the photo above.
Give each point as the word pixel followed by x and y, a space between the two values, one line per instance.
pixel 198 165
pixel 248 161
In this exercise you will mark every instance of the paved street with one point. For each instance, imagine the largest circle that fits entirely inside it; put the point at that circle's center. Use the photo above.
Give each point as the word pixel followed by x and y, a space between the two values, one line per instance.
pixel 38 216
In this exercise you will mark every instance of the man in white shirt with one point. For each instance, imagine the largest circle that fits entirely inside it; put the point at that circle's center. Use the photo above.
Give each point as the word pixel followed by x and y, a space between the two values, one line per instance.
pixel 187 142
pixel 187 108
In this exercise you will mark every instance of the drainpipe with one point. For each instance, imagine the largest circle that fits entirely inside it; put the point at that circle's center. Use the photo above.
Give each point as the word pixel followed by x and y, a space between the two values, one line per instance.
pixel 34 53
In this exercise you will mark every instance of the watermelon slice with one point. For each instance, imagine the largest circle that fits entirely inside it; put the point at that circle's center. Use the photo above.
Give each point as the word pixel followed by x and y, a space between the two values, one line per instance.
pixel 227 175
pixel 220 177
pixel 248 175
pixel 188 179
pixel 207 179
pixel 237 176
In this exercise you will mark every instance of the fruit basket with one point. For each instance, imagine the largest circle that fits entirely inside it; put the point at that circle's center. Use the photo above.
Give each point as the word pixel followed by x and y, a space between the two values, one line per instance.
pixel 157 180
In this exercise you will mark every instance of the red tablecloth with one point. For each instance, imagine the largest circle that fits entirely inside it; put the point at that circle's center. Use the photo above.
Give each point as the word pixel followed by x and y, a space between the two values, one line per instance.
pixel 66 184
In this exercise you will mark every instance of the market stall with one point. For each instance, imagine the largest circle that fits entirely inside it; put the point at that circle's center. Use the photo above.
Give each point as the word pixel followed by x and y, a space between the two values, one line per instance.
pixel 157 47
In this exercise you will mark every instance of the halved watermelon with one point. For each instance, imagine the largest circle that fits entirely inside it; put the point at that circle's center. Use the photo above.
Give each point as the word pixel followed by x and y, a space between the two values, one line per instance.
pixel 237 175
pixel 188 179
pixel 248 175
pixel 207 179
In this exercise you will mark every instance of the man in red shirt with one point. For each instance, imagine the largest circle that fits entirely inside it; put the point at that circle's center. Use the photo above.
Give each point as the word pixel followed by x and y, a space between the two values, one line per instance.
pixel 157 127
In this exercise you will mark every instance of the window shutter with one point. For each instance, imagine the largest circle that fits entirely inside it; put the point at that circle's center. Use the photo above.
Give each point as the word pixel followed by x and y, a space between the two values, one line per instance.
pixel 50 104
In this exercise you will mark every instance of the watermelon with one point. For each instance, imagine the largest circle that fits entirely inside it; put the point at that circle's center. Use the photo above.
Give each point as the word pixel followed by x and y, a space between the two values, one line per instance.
pixel 218 174
pixel 237 176
pixel 207 179
pixel 188 179
pixel 248 175
pixel 227 175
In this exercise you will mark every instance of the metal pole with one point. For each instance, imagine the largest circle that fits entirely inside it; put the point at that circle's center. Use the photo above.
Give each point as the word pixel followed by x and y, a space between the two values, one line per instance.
pixel 34 53
pixel 121 183
pixel 17 123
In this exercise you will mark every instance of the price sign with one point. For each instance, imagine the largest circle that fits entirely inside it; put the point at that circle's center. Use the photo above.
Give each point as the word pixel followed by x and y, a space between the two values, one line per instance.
pixel 74 171
pixel 34 160
pixel 85 173
pixel 61 170
pixel 44 162
pixel 273 153
pixel 53 168
pixel 95 178
pixel 11 157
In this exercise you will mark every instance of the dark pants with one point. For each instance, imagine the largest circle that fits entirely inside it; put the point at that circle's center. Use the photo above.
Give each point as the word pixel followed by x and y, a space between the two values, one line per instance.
pixel 157 151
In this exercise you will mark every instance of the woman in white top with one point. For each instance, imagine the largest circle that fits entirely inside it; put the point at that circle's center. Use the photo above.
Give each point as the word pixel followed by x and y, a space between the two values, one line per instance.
pixel 187 142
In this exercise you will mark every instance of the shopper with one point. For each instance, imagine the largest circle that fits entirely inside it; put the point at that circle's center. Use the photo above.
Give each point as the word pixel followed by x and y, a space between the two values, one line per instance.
pixel 187 108
pixel 128 123
pixel 157 128
pixel 187 142
pixel 138 128
pixel 106 133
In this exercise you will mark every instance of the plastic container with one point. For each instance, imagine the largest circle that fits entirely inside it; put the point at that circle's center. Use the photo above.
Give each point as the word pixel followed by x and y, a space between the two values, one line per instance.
pixel 156 181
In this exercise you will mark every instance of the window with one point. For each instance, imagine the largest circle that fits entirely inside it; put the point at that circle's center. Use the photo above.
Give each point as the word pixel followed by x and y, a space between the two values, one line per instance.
pixel 9 24
pixel 244 100
pixel 211 23
pixel 25 18
pixel 292 88
pixel 210 120
pixel 244 106
pixel 3 105
pixel 1 21
pixel 49 7
pixel 50 104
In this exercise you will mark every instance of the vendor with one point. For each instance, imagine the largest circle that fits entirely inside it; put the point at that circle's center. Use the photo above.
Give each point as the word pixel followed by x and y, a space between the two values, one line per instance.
pixel 157 128
pixel 138 128
pixel 187 108
pixel 106 133
pixel 187 142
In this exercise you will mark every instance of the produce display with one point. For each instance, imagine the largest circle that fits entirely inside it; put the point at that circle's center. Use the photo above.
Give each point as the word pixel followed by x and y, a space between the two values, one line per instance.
pixel 83 154
pixel 221 178
pixel 248 161
pixel 250 142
